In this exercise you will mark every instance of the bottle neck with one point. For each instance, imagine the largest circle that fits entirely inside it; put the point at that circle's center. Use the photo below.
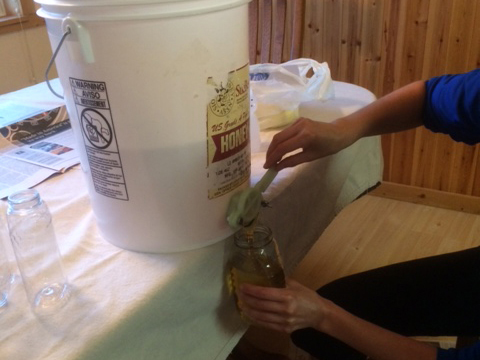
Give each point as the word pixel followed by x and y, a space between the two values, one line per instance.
pixel 24 200
pixel 261 237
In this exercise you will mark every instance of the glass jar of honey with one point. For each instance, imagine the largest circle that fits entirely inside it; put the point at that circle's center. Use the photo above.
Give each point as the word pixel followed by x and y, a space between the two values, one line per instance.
pixel 255 259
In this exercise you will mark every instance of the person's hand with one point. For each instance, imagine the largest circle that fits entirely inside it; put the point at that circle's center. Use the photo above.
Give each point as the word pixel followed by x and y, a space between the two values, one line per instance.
pixel 282 309
pixel 315 139
pixel 297 307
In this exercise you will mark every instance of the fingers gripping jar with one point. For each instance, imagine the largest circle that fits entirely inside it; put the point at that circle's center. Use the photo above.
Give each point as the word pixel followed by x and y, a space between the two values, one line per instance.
pixel 256 260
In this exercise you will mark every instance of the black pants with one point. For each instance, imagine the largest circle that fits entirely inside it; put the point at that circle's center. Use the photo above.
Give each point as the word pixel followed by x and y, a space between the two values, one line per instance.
pixel 433 296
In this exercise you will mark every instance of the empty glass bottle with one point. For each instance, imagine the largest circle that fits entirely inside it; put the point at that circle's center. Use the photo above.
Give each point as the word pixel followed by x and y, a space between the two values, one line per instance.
pixel 5 274
pixel 35 247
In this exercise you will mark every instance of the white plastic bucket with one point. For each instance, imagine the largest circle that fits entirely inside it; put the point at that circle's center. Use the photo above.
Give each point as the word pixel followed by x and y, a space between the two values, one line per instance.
pixel 158 95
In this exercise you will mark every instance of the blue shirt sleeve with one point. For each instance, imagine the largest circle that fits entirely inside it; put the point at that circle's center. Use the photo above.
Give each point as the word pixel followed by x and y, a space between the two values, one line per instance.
pixel 467 353
pixel 452 106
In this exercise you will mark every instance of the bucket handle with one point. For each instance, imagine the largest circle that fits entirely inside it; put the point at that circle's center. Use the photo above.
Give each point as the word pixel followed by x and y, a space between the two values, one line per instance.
pixel 52 60
pixel 81 35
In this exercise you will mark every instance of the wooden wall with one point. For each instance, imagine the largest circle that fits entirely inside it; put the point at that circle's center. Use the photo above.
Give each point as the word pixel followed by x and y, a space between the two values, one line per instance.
pixel 382 45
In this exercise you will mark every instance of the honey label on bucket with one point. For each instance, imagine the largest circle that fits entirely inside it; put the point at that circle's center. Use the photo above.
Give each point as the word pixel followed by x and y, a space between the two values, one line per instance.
pixel 228 132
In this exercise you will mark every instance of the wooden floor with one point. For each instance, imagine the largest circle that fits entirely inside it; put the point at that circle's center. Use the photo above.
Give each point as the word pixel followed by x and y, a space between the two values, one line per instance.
pixel 371 232
pixel 375 231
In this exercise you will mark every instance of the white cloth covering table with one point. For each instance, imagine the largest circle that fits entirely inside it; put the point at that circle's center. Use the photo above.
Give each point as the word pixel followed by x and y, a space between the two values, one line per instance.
pixel 129 305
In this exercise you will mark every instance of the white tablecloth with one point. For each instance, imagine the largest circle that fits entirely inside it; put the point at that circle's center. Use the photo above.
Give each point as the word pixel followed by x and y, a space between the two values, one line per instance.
pixel 129 305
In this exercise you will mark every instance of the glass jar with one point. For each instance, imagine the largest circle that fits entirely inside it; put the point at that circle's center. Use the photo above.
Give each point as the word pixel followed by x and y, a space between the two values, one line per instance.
pixel 35 247
pixel 255 259
pixel 5 274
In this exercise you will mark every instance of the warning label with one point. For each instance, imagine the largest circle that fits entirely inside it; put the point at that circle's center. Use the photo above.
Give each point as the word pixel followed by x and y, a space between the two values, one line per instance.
pixel 94 114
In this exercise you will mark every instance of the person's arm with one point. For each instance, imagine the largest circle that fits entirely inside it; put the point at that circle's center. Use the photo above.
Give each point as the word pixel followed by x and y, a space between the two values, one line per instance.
pixel 400 110
pixel 296 307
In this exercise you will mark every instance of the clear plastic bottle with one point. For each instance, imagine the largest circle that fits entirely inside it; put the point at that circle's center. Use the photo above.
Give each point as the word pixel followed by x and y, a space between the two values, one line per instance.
pixel 35 247
pixel 255 259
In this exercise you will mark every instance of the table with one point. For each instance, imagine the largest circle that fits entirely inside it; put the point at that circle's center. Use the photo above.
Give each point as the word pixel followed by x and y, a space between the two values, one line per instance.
pixel 130 305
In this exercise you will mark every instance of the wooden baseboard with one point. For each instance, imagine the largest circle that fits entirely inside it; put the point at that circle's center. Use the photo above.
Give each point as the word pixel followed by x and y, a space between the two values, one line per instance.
pixel 436 198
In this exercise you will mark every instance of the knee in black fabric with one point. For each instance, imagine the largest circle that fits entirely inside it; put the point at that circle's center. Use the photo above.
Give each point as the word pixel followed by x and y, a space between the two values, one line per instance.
pixel 345 292
pixel 324 347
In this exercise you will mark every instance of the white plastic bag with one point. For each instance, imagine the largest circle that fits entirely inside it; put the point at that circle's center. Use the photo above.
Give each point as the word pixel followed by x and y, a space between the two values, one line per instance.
pixel 277 90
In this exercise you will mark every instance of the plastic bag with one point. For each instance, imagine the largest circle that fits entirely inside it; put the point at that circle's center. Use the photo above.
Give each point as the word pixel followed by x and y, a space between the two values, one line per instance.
pixel 277 90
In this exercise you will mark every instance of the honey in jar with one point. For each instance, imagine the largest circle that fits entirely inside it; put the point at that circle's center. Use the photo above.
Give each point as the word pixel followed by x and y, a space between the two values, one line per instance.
pixel 255 259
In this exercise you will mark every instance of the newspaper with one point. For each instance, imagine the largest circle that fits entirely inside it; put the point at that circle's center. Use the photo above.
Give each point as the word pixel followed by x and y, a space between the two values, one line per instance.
pixel 35 148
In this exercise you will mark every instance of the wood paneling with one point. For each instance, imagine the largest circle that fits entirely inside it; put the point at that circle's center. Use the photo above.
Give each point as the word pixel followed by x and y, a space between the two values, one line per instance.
pixel 382 45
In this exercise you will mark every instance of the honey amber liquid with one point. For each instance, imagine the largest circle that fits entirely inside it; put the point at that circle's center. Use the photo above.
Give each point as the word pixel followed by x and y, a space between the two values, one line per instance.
pixel 273 276
pixel 256 270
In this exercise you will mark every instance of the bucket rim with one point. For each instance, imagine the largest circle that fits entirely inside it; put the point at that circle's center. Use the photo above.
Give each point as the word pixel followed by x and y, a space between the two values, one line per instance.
pixel 112 10
pixel 83 3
